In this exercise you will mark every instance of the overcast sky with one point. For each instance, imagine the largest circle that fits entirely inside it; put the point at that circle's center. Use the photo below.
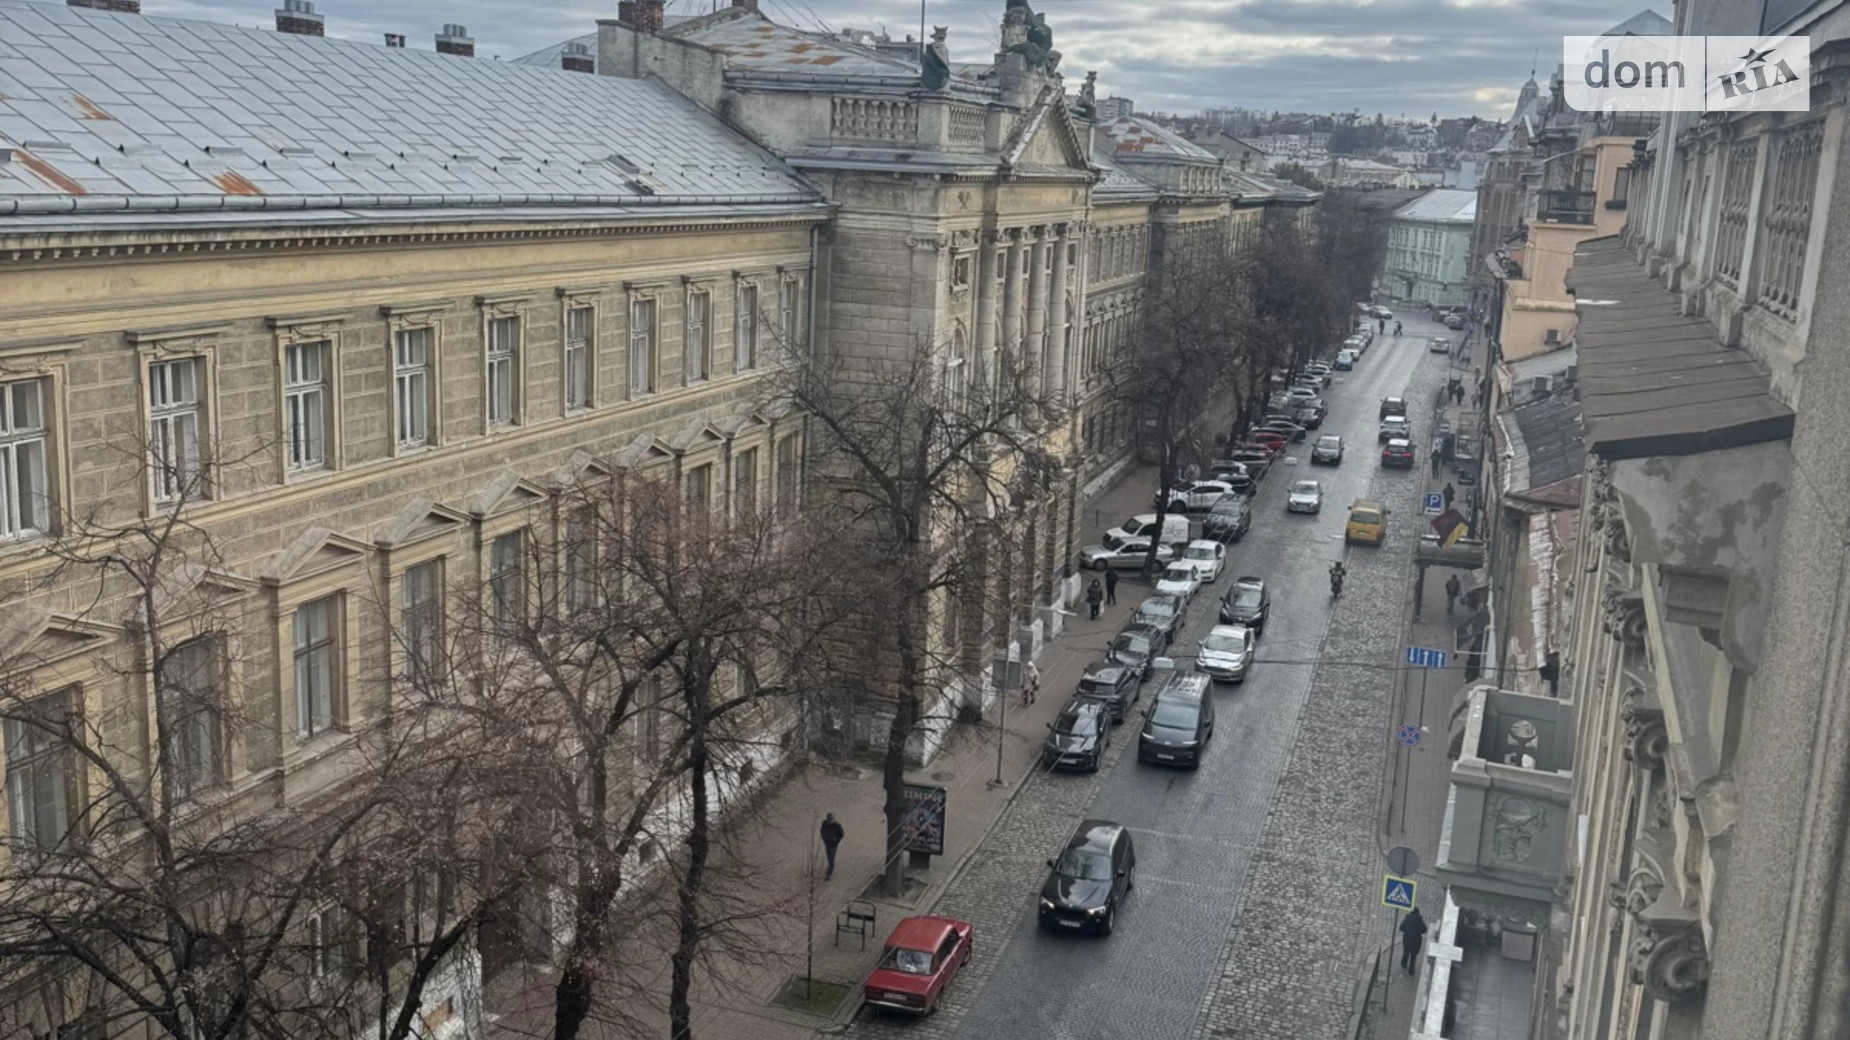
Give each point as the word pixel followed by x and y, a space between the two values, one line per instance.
pixel 1455 57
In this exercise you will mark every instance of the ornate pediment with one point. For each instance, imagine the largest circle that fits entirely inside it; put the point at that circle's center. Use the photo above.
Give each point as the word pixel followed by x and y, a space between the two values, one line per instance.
pixel 695 436
pixel 315 551
pixel 581 468
pixel 509 492
pixel 193 588
pixel 420 520
pixel 645 451
pixel 1046 136
pixel 744 425
pixel 31 637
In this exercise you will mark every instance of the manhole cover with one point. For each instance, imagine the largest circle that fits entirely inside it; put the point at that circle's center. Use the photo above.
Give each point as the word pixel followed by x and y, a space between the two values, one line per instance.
pixel 943 775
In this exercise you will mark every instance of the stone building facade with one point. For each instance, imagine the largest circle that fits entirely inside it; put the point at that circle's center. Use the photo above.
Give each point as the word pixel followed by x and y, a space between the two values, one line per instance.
pixel 1705 892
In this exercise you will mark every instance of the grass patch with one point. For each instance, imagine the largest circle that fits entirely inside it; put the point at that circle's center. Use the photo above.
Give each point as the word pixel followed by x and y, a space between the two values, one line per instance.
pixel 812 996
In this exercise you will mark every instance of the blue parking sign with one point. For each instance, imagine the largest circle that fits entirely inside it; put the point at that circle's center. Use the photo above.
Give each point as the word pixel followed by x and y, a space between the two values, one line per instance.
pixel 1435 502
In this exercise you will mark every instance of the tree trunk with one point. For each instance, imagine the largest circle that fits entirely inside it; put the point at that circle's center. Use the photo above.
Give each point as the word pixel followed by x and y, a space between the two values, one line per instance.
pixel 699 843
pixel 898 736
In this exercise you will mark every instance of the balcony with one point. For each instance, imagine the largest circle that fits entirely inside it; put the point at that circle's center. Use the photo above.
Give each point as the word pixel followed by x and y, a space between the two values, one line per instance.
pixel 1559 206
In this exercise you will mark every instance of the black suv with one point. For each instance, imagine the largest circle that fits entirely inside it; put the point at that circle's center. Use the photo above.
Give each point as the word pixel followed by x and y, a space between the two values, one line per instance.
pixel 1180 721
pixel 1078 736
pixel 1228 519
pixel 1112 684
pixel 1246 603
pixel 1090 879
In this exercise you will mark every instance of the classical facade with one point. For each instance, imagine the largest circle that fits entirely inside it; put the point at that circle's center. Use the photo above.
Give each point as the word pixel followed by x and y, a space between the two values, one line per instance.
pixel 1428 241
pixel 1705 892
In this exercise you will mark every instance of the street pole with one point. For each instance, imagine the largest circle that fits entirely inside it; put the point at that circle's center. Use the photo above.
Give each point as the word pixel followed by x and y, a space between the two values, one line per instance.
pixel 1002 728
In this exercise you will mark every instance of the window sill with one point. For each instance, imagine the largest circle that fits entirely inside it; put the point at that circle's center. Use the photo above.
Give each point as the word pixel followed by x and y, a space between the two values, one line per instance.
pixel 307 752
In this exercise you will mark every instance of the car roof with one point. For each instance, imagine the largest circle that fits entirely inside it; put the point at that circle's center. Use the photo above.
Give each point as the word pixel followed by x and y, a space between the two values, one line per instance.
pixel 1106 670
pixel 1079 705
pixel 1161 596
pixel 1365 503
pixel 1227 630
pixel 1402 441
pixel 922 933
pixel 1203 543
pixel 1396 400
pixel 1095 835
pixel 1145 631
pixel 1329 437
pixel 1249 579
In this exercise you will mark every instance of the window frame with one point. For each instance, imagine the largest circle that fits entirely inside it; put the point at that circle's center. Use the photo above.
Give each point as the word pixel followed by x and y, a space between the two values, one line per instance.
pixel 292 334
pixel 788 474
pixel 427 317
pixel 334 645
pixel 643 330
pixel 57 761
pixel 307 400
pixel 585 347
pixel 505 614
pixel 742 487
pixel 745 326
pixel 19 520
pixel 403 373
pixel 155 414
pixel 504 353
pixel 422 622
pixel 198 777
pixel 697 508
pixel 697 336
pixel 790 311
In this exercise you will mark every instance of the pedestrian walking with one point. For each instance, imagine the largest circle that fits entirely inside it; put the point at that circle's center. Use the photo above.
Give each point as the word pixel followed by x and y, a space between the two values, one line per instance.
pixel 1380 324
pixel 1397 330
pixel 1450 493
pixel 832 834
pixel 1452 588
pixel 1412 936
pixel 1111 588
pixel 1095 595
pixel 1030 683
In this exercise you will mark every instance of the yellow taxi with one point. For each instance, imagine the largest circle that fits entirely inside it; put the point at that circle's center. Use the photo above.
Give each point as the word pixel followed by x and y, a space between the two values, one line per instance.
pixel 1367 522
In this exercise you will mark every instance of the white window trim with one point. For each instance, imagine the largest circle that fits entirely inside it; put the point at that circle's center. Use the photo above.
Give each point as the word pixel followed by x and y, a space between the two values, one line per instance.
pixel 571 300
pixel 741 342
pixel 635 300
pixel 520 400
pixel 153 348
pixel 301 331
pixel 411 318
pixel 50 382
pixel 427 371
pixel 688 377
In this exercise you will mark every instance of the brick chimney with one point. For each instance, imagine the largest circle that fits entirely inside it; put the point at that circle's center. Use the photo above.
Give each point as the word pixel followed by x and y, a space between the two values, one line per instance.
pixel 299 18
pixel 577 58
pixel 649 15
pixel 118 6
pixel 396 40
pixel 454 39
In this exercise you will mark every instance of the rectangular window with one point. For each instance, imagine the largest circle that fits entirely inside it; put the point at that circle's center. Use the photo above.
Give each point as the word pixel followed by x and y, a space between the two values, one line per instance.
pixel 787 309
pixel 411 386
pixel 503 395
pixel 789 476
pixel 699 485
pixel 191 703
pixel 580 561
pixel 698 351
pixel 420 615
pixel 507 589
pixel 173 434
pixel 745 482
pixel 41 773
pixel 316 653
pixel 745 345
pixel 305 405
pixel 24 487
pixel 577 358
pixel 642 347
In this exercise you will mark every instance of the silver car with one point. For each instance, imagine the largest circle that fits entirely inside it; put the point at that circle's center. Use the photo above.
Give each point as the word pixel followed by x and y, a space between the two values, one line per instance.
pixel 1123 554
pixel 1227 653
pixel 1306 497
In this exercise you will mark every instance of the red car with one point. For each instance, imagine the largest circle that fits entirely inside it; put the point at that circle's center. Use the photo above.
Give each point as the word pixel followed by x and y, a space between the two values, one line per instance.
pixel 1269 437
pixel 922 956
pixel 1270 448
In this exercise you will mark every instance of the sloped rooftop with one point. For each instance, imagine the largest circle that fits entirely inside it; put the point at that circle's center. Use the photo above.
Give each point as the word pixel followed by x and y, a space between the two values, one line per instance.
pixel 752 41
pixel 1142 140
pixel 1441 205
pixel 110 115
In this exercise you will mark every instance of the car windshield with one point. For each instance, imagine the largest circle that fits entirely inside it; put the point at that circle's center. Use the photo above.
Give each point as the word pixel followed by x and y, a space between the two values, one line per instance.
pixel 1174 714
pixel 1179 572
pixel 1305 487
pixel 1089 687
pixel 1198 552
pixel 1128 643
pixel 1226 642
pixel 1083 865
pixel 1364 516
pixel 1329 442
pixel 1246 596
pixel 1228 506
pixel 909 962
pixel 1164 607
pixel 1076 723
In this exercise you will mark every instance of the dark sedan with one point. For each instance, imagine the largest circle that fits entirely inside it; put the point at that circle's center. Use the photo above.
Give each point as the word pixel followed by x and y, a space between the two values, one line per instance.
pixel 1135 648
pixel 1246 603
pixel 1328 450
pixel 1112 684
pixel 1078 736
pixel 1228 519
pixel 1161 611
pixel 1398 454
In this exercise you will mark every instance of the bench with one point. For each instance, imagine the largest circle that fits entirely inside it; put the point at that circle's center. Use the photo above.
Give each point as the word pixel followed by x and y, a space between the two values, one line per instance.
pixel 857 919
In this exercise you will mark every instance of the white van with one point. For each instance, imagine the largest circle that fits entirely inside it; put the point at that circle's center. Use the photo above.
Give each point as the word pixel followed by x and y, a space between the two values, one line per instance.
pixel 1143 525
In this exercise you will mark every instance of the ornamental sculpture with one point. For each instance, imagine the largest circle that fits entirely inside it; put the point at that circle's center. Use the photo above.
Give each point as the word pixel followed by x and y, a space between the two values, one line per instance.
pixel 935 69
pixel 1027 34
pixel 1647 739
pixel 1519 822
pixel 1672 965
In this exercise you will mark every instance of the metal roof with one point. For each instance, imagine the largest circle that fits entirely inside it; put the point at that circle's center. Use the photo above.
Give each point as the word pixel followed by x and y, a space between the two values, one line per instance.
pixel 104 115
pixel 1142 140
pixel 1441 205
pixel 1545 440
pixel 751 41
pixel 1655 381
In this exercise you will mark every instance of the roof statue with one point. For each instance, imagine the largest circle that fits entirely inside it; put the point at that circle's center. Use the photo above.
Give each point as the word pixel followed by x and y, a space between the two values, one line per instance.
pixel 1026 33
pixel 1086 107
pixel 935 68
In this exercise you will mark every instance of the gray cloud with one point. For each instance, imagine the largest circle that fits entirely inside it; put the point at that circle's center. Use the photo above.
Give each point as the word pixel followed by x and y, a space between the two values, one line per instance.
pixel 1456 57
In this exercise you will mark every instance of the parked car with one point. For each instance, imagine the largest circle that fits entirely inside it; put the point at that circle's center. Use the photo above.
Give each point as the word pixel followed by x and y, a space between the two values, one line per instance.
pixel 1439 345
pixel 1271 439
pixel 1179 580
pixel 1454 321
pixel 1314 380
pixel 1364 332
pixel 1229 519
pixel 1328 450
pixel 1397 454
pixel 1288 430
pixel 1123 554
pixel 1180 721
pixel 1393 406
pixel 1345 360
pixel 1311 413
pixel 1367 522
pixel 1247 603
pixel 1227 653
pixel 1234 474
pixel 1306 496
pixel 1078 736
pixel 1114 684
pixel 1090 879
pixel 1383 312
pixel 1257 460
pixel 1394 426
pixel 1270 449
pixel 1206 556
pixel 1160 611
pixel 1143 525
pixel 1135 648
pixel 922 956
pixel 1300 393
pixel 1197 495
pixel 1321 368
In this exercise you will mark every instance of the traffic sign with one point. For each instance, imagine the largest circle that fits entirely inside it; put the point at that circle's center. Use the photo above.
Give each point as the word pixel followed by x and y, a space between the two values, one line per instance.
pixel 1425 657
pixel 1398 893
pixel 1409 734
pixel 1403 861
pixel 1435 503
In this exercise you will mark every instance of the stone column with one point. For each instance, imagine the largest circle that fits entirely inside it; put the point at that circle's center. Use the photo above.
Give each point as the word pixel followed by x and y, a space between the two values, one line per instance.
pixel 1035 352
pixel 1057 338
pixel 1011 297
pixel 985 360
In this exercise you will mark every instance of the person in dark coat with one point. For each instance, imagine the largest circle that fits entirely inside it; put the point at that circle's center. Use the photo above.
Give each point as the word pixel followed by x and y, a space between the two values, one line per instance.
pixel 1449 492
pixel 1111 588
pixel 832 834
pixel 1412 937
pixel 1452 588
pixel 1095 594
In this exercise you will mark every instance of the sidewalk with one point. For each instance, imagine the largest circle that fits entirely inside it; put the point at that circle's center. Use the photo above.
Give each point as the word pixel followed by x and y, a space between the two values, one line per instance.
pixel 782 854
